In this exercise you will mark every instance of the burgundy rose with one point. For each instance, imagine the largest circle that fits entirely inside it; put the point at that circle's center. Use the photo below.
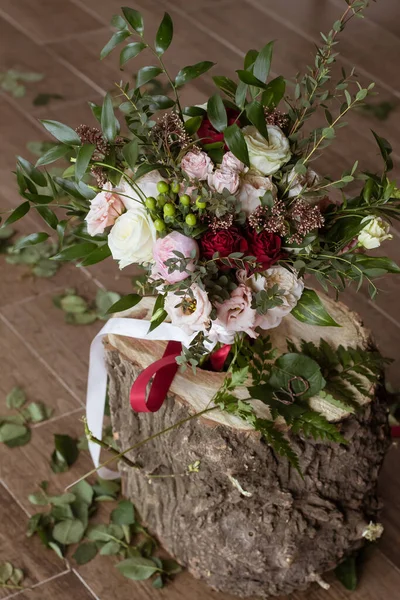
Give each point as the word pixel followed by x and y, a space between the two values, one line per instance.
pixel 266 247
pixel 223 241
pixel 209 135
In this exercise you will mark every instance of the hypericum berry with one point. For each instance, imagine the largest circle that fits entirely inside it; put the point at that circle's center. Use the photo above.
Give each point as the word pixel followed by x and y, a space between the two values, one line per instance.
pixel 169 210
pixel 161 200
pixel 159 225
pixel 151 203
pixel 163 187
pixel 175 187
pixel 200 202
pixel 185 200
pixel 191 220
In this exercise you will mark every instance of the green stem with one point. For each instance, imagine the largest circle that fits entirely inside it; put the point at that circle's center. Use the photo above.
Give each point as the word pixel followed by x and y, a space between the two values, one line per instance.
pixel 125 176
pixel 109 448
pixel 139 444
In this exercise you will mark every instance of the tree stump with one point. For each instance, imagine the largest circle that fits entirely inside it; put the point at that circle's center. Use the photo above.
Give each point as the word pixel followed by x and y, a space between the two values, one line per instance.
pixel 246 522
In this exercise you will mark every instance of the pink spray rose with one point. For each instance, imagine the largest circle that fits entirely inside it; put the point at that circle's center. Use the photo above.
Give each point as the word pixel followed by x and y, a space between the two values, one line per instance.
pixel 224 178
pixel 197 165
pixel 164 249
pixel 105 208
pixel 229 161
pixel 236 313
pixel 190 313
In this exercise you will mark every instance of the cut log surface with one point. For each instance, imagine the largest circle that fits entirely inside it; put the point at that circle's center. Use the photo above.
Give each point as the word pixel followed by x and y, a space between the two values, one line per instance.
pixel 246 522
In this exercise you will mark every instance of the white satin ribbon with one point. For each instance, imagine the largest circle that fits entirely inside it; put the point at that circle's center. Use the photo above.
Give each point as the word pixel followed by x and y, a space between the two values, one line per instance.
pixel 97 378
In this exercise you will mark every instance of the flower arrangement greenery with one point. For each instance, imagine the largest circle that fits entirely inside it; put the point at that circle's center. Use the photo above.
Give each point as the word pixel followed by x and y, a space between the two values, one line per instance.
pixel 220 205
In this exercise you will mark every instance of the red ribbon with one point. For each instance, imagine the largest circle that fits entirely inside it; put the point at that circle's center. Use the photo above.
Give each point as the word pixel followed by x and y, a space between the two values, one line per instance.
pixel 395 431
pixel 164 371
pixel 218 358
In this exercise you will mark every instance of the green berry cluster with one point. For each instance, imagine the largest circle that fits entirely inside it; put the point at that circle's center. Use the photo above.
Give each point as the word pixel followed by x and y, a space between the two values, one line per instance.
pixel 172 210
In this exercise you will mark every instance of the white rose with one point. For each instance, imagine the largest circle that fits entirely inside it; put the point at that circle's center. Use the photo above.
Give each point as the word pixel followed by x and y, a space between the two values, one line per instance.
pixel 147 184
pixel 298 182
pixel 132 237
pixel 374 233
pixel 218 333
pixel 224 179
pixel 267 157
pixel 252 188
pixel 291 287
pixel 191 314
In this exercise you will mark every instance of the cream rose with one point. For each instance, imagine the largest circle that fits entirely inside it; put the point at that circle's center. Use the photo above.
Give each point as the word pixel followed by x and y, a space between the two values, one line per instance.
pixel 298 182
pixel 374 233
pixel 132 237
pixel 197 165
pixel 291 288
pixel 147 185
pixel 267 157
pixel 224 179
pixel 252 188
pixel 191 314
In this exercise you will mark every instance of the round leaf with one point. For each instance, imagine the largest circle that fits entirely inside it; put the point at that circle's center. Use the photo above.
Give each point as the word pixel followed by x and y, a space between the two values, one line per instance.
pixel 85 553
pixel 137 568
pixel 68 532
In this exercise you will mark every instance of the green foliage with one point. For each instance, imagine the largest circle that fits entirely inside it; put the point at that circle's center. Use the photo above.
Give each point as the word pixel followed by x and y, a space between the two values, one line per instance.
pixel 347 574
pixel 13 81
pixel 65 453
pixel 15 427
pixel 11 577
pixel 67 522
pixel 310 309
pixel 79 311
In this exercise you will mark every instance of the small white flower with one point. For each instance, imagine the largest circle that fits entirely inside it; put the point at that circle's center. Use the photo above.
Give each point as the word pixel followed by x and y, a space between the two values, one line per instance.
pixel 374 233
pixel 267 157
pixel 132 237
pixel 373 531
pixel 291 288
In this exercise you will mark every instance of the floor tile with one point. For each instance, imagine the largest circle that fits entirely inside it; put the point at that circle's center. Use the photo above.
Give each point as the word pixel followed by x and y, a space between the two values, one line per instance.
pixel 45 22
pixel 37 563
pixel 65 347
pixel 24 467
pixel 21 53
pixel 65 587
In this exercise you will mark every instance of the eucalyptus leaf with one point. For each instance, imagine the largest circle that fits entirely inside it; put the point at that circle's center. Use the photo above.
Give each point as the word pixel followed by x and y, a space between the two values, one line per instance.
pixel 17 214
pixel 262 64
pixel 31 240
pixel 76 251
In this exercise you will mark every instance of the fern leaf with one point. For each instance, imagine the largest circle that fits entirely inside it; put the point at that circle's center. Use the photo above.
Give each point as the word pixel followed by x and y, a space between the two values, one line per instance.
pixel 314 425
pixel 278 441
pixel 345 406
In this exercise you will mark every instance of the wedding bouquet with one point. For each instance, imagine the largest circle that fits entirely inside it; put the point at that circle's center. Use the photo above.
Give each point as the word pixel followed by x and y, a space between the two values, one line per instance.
pixel 218 202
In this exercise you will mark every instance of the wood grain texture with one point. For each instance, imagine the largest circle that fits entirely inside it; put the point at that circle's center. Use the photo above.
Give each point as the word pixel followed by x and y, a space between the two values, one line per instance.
pixel 65 587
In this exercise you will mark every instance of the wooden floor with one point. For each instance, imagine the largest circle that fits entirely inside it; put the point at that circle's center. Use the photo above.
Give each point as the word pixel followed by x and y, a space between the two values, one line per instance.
pixel 62 40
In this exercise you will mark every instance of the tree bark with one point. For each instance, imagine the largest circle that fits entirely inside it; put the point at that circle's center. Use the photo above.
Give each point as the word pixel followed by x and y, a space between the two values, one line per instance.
pixel 246 522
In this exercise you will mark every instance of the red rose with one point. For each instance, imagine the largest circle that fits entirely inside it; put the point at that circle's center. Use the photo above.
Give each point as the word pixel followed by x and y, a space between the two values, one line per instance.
pixel 223 241
pixel 266 247
pixel 209 135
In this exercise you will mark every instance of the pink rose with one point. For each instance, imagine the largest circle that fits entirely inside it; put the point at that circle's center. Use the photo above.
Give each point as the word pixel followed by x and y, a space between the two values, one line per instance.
pixel 252 188
pixel 105 209
pixel 229 161
pixel 197 165
pixel 192 312
pixel 236 313
pixel 164 249
pixel 224 179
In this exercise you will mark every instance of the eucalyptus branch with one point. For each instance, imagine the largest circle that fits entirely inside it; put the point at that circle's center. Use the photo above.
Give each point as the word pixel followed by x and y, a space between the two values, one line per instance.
pixel 91 438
